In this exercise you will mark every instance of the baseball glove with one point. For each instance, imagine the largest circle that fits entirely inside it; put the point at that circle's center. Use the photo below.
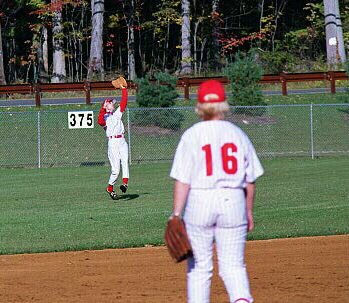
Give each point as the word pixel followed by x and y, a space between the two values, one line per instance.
pixel 119 82
pixel 177 240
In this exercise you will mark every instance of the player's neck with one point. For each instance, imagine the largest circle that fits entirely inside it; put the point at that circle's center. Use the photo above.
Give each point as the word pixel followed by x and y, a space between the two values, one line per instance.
pixel 215 118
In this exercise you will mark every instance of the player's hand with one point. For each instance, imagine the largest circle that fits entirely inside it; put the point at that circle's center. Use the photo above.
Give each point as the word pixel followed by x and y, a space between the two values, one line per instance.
pixel 250 222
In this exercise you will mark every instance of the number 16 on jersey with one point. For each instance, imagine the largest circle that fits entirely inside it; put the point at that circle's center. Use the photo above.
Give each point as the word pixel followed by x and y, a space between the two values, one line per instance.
pixel 229 161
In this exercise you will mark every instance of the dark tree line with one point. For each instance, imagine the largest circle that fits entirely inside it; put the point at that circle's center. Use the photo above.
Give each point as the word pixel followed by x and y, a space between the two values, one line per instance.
pixel 73 40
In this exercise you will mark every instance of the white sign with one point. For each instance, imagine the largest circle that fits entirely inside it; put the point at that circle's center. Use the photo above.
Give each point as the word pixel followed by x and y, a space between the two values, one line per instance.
pixel 81 119
pixel 332 41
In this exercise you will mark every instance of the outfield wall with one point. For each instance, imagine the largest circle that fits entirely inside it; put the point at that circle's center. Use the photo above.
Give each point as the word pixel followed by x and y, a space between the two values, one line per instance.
pixel 73 138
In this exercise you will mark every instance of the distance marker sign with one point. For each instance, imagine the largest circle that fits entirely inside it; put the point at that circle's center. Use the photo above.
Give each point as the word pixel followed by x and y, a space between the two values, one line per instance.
pixel 80 119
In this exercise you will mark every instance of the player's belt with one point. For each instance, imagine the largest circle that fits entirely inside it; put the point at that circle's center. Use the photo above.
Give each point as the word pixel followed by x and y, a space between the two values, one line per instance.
pixel 117 136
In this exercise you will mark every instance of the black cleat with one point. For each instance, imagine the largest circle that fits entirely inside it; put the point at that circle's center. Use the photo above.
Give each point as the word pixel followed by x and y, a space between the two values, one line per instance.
pixel 123 187
pixel 112 194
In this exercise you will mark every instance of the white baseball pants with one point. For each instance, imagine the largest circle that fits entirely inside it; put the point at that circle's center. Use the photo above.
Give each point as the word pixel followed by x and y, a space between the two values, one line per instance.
pixel 217 215
pixel 118 153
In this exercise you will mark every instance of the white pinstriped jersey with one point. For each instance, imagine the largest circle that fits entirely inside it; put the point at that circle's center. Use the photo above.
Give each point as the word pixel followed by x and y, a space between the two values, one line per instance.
pixel 215 154
pixel 114 123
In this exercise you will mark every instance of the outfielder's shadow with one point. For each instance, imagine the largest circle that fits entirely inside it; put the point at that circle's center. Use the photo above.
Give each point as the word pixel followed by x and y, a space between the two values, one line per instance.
pixel 127 197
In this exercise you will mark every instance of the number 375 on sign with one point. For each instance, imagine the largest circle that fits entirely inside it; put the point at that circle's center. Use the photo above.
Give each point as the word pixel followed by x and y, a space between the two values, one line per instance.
pixel 80 119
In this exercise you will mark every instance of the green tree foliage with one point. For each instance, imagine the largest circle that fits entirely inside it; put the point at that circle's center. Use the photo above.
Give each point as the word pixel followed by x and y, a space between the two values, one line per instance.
pixel 306 44
pixel 160 94
pixel 290 40
pixel 277 62
pixel 243 75
pixel 299 50
pixel 164 26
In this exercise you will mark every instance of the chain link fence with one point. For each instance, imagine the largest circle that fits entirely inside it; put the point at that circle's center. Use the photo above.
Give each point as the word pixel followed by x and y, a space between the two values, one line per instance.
pixel 65 138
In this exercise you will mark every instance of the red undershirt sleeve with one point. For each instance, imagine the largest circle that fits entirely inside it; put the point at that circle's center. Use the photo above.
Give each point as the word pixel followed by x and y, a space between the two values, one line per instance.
pixel 124 98
pixel 101 120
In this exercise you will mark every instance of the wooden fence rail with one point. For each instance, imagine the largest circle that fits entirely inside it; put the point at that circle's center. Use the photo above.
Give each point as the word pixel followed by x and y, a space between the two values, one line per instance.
pixel 186 83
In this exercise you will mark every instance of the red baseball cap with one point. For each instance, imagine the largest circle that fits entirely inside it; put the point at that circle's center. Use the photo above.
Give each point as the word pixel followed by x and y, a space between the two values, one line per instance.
pixel 111 101
pixel 211 91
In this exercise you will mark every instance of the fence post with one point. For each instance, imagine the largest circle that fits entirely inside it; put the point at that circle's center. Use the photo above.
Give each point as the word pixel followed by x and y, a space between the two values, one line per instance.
pixel 331 78
pixel 87 89
pixel 311 131
pixel 39 140
pixel 283 83
pixel 186 88
pixel 129 136
pixel 37 94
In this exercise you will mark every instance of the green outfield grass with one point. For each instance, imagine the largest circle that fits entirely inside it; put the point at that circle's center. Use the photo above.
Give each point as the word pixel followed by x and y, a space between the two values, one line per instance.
pixel 58 209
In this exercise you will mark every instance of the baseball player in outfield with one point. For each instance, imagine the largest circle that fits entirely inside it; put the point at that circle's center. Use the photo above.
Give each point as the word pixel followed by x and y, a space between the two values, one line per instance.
pixel 111 121
pixel 215 168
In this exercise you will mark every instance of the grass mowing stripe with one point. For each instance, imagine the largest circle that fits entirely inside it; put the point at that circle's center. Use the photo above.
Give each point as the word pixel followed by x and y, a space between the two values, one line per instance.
pixel 57 209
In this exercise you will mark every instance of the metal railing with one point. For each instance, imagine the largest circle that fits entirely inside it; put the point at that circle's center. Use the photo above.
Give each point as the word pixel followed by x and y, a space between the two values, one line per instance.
pixel 185 83
pixel 45 138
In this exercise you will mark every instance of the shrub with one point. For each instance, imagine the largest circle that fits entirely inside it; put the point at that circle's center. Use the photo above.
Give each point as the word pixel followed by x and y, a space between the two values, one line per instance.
pixel 243 75
pixel 165 118
pixel 159 94
pixel 277 62
pixel 162 93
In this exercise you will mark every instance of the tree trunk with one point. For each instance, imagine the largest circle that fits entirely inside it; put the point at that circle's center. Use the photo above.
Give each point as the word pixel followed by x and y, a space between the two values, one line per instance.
pixel 334 47
pixel 278 11
pixel 215 42
pixel 59 70
pixel 96 66
pixel 331 32
pixel 341 48
pixel 195 37
pixel 165 53
pixel 45 50
pixel 261 17
pixel 186 51
pixel 140 49
pixel 2 72
pixel 131 44
pixel 42 75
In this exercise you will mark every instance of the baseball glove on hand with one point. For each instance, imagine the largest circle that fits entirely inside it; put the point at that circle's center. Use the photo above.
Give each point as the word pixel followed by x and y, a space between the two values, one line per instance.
pixel 177 240
pixel 119 82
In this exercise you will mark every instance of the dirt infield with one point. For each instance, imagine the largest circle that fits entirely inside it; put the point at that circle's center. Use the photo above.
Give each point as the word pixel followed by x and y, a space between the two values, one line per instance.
pixel 300 270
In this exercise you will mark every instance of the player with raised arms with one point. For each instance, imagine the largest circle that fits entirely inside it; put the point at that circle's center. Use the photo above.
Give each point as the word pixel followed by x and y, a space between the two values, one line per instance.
pixel 111 121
